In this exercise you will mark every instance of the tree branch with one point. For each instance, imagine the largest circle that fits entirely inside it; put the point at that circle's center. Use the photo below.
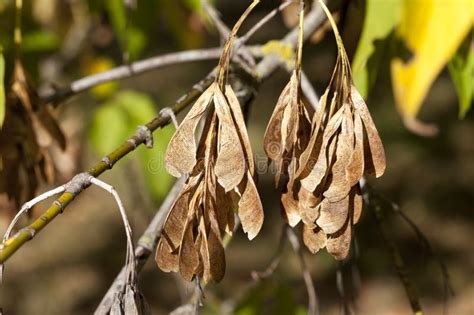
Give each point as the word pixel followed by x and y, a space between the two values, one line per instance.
pixel 313 305
pixel 126 71
pixel 265 68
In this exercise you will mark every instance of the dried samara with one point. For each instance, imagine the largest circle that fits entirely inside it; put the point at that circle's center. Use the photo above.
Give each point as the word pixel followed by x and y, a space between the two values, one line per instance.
pixel 323 188
pixel 221 179
pixel 29 131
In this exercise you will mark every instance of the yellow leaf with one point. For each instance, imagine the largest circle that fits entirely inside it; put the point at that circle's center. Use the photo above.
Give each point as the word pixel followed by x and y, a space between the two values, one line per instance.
pixel 432 30
pixel 99 65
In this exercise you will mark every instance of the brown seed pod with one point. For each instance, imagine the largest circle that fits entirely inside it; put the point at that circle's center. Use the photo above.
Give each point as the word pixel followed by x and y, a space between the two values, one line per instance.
pixel 221 180
pixel 29 131
pixel 323 167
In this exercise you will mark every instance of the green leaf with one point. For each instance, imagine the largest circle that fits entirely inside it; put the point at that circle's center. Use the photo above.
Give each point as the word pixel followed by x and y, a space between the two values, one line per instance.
pixel 2 87
pixel 381 17
pixel 116 120
pixel 109 128
pixel 39 41
pixel 136 41
pixel 461 69
pixel 117 14
pixel 130 38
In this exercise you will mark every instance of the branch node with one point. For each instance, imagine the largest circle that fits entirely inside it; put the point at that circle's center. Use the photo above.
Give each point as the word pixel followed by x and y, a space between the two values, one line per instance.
pixel 106 160
pixel 143 134
pixel 133 142
pixel 78 183
pixel 31 231
pixel 170 113
pixel 60 205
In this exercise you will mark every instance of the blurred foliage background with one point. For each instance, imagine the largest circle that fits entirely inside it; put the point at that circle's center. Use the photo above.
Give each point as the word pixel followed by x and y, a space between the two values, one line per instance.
pixel 412 59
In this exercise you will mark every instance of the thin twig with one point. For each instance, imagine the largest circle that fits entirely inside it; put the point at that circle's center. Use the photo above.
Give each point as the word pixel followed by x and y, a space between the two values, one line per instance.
pixel 275 262
pixel 341 289
pixel 447 286
pixel 313 20
pixel 130 259
pixel 265 20
pixel 135 68
pixel 397 258
pixel 313 305
pixel 223 30
pixel 198 296
pixel 145 246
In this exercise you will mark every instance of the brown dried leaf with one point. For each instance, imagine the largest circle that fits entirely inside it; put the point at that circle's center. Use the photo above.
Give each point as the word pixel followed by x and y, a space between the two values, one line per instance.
pixel 375 144
pixel 290 205
pixel 204 251
pixel 166 259
pixel 355 169
pixel 230 163
pixel 250 209
pixel 338 244
pixel 314 238
pixel 174 224
pixel 290 119
pixel 308 207
pixel 340 187
pixel 315 141
pixel 216 256
pixel 181 153
pixel 241 128
pixel 188 255
pixel 320 169
pixel 272 141
pixel 333 215
pixel 224 209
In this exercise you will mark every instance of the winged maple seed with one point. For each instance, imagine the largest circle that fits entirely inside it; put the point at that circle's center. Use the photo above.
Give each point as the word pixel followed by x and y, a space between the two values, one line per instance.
pixel 221 179
pixel 323 188
pixel 28 132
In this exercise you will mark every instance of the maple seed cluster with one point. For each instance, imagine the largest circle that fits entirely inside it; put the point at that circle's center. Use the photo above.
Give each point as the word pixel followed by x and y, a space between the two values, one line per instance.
pixel 220 172
pixel 320 156
pixel 323 167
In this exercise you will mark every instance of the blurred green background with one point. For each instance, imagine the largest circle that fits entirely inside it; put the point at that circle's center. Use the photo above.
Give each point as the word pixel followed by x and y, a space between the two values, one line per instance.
pixel 69 266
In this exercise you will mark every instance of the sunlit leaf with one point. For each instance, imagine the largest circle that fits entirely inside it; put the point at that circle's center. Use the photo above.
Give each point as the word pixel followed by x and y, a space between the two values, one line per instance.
pixel 117 15
pixel 136 42
pixel 98 65
pixel 381 17
pixel 2 87
pixel 432 31
pixel 114 121
pixel 141 108
pixel 109 128
pixel 461 68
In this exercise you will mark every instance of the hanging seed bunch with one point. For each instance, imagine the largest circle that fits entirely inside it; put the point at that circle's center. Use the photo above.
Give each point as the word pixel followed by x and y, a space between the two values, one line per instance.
pixel 25 138
pixel 28 132
pixel 289 132
pixel 344 146
pixel 221 179
pixel 323 189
